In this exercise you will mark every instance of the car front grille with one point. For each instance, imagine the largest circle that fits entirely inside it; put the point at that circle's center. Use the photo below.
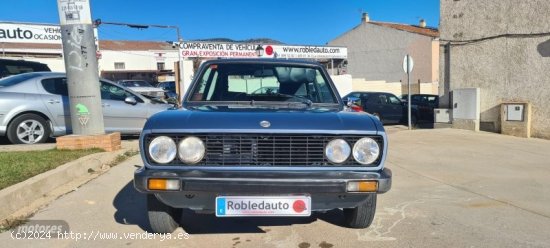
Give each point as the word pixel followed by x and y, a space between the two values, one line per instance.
pixel 267 149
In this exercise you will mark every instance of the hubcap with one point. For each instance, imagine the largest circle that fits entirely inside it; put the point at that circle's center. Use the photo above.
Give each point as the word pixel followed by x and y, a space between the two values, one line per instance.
pixel 30 131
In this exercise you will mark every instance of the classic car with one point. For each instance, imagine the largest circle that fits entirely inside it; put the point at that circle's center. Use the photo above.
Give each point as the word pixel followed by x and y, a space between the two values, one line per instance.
pixel 35 106
pixel 232 152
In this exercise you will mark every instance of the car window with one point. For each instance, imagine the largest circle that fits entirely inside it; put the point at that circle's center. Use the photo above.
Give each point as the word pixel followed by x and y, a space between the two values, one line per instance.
pixel 21 67
pixel 13 80
pixel 382 99
pixel 353 95
pixel 394 100
pixel 56 86
pixel 244 82
pixel 113 92
pixel 135 84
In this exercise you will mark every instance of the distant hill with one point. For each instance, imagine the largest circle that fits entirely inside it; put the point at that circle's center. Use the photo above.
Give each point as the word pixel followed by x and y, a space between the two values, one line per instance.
pixel 257 40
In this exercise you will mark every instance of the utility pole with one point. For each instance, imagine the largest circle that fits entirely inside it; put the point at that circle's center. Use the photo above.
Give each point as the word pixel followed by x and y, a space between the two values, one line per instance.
pixel 79 53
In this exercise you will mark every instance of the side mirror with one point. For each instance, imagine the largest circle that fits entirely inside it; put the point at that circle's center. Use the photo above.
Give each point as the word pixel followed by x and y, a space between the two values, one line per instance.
pixel 354 103
pixel 130 100
pixel 351 101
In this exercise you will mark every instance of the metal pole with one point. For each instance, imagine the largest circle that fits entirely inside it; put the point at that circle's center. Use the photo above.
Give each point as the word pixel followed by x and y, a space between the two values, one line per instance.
pixel 182 81
pixel 79 53
pixel 409 92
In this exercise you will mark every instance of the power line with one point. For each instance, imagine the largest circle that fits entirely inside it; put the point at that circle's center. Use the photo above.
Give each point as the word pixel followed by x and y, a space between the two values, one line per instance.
pixel 471 41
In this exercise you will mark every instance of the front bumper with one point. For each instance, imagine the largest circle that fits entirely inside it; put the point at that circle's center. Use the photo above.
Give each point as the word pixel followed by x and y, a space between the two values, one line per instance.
pixel 200 188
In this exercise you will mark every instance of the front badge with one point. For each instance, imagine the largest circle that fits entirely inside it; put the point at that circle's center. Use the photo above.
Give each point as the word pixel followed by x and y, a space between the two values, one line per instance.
pixel 265 124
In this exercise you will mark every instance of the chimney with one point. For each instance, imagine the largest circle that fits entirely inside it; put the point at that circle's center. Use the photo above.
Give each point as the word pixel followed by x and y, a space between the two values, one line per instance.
pixel 365 17
pixel 422 23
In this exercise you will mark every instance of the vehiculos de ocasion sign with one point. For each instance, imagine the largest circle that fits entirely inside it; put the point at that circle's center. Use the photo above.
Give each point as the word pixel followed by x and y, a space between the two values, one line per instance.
pixel 30 33
pixel 248 50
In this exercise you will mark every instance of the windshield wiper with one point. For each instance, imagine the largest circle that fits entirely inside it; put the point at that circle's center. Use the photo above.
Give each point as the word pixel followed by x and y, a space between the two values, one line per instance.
pixel 302 99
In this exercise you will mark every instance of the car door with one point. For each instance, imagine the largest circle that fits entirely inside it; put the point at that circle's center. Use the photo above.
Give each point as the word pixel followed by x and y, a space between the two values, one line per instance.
pixel 57 102
pixel 395 108
pixel 118 115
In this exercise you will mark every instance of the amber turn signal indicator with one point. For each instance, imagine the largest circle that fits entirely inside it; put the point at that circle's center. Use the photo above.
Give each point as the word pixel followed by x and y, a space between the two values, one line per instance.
pixel 362 186
pixel 163 184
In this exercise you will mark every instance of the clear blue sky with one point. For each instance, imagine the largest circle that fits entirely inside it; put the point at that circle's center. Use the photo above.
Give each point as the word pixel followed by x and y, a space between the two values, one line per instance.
pixel 290 21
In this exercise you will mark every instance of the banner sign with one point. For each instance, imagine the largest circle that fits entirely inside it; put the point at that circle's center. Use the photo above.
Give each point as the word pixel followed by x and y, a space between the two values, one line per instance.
pixel 248 50
pixel 30 33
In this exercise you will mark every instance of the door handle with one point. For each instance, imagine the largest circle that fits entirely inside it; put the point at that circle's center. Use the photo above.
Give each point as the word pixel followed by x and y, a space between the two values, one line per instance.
pixel 51 101
pixel 105 105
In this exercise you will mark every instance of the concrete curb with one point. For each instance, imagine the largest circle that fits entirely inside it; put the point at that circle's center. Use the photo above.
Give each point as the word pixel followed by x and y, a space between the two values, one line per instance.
pixel 25 193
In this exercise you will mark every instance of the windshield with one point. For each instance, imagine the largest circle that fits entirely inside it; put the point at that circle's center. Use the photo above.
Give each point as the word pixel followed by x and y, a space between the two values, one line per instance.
pixel 262 82
pixel 13 80
pixel 135 84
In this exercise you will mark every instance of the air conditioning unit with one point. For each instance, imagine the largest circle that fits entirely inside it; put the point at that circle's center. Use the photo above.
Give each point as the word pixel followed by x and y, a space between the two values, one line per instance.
pixel 442 115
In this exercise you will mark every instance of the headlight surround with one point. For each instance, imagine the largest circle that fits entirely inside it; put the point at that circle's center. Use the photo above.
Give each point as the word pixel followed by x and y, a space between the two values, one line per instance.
pixel 162 149
pixel 366 151
pixel 191 150
pixel 337 151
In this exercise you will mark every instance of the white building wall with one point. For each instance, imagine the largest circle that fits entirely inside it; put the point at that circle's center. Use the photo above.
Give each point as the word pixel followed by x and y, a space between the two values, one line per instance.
pixel 137 60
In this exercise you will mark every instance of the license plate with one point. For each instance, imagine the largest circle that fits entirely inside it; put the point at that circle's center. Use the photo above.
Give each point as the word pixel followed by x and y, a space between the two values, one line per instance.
pixel 233 206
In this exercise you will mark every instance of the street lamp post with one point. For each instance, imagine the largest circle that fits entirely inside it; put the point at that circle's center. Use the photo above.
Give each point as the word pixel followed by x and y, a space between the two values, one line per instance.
pixel 259 51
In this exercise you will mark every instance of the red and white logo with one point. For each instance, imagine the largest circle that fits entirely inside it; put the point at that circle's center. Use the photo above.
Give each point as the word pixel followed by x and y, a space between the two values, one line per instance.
pixel 299 206
pixel 269 50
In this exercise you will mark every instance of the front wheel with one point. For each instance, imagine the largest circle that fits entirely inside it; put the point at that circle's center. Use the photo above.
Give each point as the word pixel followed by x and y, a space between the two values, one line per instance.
pixel 28 129
pixel 162 218
pixel 362 215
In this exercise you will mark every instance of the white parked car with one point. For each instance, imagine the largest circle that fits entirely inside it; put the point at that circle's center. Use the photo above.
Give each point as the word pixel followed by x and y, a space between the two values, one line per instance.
pixel 35 106
pixel 142 87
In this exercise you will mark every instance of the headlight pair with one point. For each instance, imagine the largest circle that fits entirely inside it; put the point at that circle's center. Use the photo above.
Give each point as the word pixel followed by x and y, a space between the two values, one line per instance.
pixel 190 150
pixel 365 151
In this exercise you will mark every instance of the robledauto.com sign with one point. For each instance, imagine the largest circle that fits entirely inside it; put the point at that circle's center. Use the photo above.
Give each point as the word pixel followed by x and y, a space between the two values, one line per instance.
pixel 248 50
pixel 30 33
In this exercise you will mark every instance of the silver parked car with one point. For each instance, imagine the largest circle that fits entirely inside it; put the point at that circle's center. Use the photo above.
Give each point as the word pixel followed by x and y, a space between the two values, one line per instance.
pixel 35 106
pixel 142 87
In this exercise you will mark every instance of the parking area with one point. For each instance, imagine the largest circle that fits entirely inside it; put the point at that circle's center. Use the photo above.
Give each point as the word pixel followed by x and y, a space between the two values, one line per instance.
pixel 451 188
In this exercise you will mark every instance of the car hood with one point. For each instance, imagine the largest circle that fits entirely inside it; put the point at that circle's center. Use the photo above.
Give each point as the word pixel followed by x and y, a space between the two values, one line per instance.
pixel 145 89
pixel 247 119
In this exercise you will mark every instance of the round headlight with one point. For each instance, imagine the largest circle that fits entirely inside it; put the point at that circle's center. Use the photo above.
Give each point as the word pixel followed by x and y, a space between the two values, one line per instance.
pixel 162 149
pixel 337 151
pixel 366 151
pixel 191 150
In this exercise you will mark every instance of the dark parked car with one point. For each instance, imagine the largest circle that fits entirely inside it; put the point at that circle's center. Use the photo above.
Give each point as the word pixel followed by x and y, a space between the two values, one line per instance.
pixel 9 67
pixel 425 104
pixel 235 152
pixel 385 106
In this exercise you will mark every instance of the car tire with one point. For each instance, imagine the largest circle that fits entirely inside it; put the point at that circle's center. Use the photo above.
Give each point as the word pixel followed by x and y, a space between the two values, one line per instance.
pixel 162 218
pixel 362 215
pixel 28 129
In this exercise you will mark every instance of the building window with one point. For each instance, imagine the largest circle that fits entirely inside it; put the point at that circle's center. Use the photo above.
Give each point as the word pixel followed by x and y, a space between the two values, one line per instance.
pixel 119 66
pixel 160 66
